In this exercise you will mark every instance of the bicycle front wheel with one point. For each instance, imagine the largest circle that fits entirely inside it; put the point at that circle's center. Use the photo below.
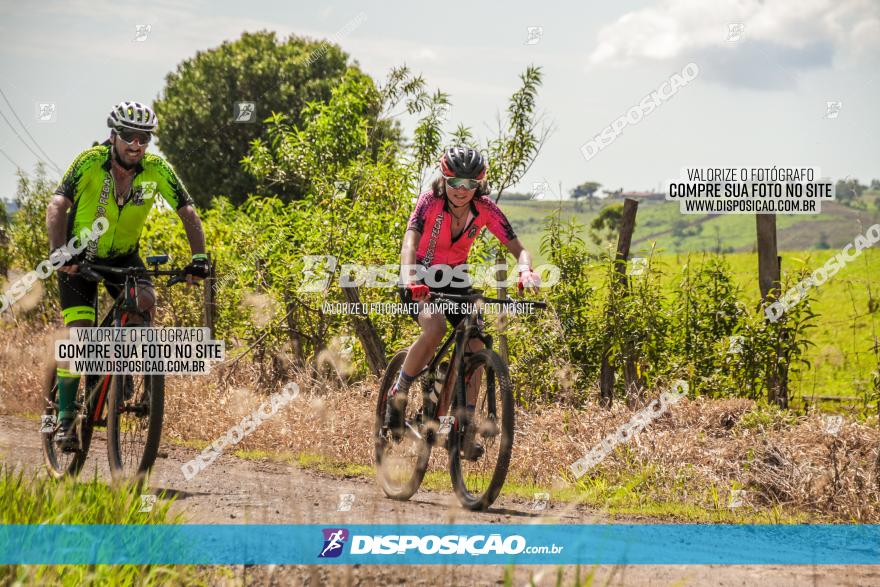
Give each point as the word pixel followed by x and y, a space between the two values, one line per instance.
pixel 479 457
pixel 400 462
pixel 135 410
pixel 60 462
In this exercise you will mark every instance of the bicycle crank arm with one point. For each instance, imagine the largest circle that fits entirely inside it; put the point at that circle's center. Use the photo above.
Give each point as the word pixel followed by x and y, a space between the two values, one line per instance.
pixel 414 431
pixel 79 430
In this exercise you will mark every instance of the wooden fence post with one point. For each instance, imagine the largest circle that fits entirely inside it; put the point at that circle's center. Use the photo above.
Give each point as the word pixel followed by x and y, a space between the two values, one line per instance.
pixel 606 372
pixel 769 277
pixel 768 259
pixel 501 276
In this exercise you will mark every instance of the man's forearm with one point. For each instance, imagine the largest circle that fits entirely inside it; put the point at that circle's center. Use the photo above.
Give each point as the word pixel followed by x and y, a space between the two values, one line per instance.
pixel 193 227
pixel 56 224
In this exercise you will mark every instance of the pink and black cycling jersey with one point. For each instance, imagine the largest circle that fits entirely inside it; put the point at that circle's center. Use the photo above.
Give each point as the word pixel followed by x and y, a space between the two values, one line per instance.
pixel 432 217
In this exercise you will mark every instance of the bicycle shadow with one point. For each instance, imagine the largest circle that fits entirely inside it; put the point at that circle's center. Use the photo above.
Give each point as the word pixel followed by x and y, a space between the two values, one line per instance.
pixel 177 494
pixel 501 511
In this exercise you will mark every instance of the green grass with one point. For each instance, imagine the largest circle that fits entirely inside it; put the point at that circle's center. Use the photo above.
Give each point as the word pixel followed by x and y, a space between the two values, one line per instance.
pixel 265 455
pixel 190 443
pixel 337 468
pixel 39 500
pixel 637 494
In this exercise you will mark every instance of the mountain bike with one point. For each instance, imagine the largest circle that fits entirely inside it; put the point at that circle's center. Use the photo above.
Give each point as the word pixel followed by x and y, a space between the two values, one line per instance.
pixel 480 444
pixel 130 406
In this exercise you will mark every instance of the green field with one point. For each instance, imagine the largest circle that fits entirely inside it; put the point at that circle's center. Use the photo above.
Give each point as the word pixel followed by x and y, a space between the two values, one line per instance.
pixel 656 222
pixel 842 360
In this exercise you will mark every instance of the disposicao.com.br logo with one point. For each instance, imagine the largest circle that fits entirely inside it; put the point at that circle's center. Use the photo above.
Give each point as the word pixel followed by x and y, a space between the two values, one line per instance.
pixel 449 544
pixel 334 541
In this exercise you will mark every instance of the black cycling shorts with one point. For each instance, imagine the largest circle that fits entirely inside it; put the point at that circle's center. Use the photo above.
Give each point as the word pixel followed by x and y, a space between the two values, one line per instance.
pixel 454 315
pixel 79 295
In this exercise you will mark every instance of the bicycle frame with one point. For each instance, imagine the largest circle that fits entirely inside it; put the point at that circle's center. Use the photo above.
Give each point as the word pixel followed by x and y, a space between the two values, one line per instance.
pixel 466 331
pixel 123 306
pixel 117 315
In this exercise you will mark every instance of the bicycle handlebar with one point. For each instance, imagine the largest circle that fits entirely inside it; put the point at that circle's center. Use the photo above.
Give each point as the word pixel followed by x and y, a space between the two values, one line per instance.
pixel 482 298
pixel 92 272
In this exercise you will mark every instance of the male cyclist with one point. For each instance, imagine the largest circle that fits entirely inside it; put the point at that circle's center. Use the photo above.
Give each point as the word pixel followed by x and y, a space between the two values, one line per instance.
pixel 441 230
pixel 118 181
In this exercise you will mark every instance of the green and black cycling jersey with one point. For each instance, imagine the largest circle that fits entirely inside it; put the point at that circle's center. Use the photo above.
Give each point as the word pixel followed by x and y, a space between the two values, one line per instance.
pixel 89 185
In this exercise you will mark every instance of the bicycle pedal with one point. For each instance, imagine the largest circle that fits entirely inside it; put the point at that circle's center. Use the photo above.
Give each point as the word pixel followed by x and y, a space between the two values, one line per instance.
pixel 488 429
pixel 48 423
pixel 474 453
pixel 393 434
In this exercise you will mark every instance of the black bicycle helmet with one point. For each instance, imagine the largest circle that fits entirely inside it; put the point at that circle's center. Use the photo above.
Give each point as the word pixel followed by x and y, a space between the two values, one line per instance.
pixel 463 162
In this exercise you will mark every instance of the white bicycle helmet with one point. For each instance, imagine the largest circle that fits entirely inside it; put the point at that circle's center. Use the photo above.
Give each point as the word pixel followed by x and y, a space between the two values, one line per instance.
pixel 133 116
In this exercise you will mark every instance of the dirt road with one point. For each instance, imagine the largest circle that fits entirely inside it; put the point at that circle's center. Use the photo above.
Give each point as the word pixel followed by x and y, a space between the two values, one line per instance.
pixel 233 490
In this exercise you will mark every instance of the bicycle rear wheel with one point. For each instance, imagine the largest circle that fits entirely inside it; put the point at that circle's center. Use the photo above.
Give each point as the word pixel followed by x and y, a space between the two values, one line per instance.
pixel 135 410
pixel 61 463
pixel 400 464
pixel 478 479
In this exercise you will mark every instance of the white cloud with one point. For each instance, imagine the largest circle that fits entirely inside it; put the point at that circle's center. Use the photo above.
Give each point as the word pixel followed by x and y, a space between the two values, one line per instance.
pixel 780 39
pixel 425 54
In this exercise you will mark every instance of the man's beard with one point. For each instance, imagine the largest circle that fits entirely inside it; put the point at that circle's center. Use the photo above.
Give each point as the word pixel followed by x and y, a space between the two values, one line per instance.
pixel 119 160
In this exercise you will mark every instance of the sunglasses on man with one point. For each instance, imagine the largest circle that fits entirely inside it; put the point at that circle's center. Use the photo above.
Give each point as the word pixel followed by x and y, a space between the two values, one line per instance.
pixel 462 183
pixel 130 136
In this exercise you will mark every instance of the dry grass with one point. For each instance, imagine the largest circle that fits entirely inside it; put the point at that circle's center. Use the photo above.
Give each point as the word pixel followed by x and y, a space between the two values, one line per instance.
pixel 696 453
pixel 23 353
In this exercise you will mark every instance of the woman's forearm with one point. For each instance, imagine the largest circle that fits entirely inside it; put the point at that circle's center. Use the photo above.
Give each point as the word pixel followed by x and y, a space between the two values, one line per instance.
pixel 522 256
pixel 524 261
pixel 408 256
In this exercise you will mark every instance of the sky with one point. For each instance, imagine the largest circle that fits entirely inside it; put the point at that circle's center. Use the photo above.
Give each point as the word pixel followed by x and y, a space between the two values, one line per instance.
pixel 767 71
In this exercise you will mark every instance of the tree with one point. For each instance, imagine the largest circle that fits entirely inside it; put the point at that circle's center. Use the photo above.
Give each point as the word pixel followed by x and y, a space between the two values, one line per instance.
pixel 521 135
pixel 606 224
pixel 29 243
pixel 846 191
pixel 585 190
pixel 332 135
pixel 196 128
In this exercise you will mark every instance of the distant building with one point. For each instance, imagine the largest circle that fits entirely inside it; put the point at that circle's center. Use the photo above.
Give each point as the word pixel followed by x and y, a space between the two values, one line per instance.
pixel 642 196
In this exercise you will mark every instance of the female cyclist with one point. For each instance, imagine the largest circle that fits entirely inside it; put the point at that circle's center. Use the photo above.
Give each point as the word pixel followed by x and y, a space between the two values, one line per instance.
pixel 440 231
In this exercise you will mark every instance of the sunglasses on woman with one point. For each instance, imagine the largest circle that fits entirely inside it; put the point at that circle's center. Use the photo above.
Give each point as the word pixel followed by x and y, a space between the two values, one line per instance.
pixel 459 183
pixel 129 136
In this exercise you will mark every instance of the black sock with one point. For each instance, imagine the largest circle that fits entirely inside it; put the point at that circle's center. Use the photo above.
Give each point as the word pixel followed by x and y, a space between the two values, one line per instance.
pixel 404 382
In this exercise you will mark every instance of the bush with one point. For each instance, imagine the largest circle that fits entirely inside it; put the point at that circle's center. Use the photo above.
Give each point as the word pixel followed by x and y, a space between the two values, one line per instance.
pixel 29 246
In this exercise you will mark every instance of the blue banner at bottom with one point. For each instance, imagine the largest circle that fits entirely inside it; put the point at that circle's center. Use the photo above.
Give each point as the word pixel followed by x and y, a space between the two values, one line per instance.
pixel 671 544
